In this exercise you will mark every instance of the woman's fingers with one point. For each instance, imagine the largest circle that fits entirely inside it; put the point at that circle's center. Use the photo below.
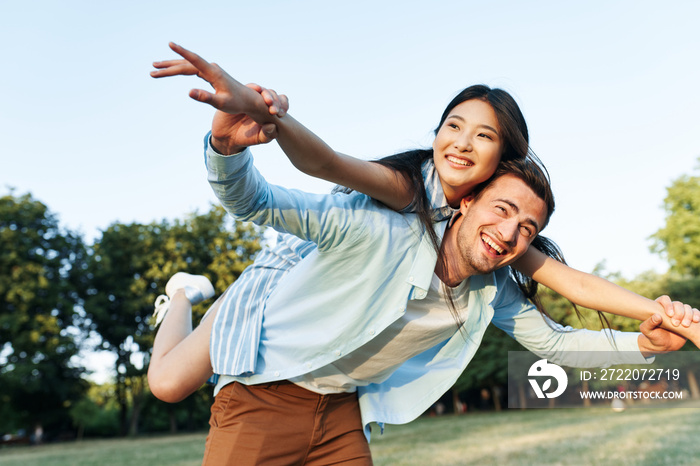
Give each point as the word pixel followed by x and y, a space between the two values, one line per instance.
pixel 173 68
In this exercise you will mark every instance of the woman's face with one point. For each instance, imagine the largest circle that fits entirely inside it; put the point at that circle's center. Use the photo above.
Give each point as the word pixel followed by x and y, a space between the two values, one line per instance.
pixel 467 148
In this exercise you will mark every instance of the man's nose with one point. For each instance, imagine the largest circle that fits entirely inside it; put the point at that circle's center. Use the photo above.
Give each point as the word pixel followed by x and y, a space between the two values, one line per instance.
pixel 508 229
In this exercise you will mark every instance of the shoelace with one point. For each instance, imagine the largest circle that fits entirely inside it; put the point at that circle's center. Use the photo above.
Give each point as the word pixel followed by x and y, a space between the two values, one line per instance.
pixel 162 306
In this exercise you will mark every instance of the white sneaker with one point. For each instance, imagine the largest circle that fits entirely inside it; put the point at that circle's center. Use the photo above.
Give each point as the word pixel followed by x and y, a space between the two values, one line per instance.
pixel 197 288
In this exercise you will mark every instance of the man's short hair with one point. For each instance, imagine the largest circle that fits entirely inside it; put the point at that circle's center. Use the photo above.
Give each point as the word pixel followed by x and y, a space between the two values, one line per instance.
pixel 533 173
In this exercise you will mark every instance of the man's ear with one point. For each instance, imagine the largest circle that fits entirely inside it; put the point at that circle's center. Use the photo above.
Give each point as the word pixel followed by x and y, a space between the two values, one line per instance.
pixel 465 203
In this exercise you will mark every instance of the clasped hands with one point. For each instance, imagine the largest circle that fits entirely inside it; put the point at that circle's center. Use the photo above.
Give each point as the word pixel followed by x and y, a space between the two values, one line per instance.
pixel 246 115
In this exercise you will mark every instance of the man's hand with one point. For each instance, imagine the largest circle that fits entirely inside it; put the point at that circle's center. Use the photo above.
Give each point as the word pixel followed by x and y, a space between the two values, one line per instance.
pixel 655 340
pixel 680 314
pixel 246 114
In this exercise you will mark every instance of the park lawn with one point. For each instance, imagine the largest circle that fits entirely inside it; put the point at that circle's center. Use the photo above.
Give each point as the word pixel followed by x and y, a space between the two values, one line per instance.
pixel 640 436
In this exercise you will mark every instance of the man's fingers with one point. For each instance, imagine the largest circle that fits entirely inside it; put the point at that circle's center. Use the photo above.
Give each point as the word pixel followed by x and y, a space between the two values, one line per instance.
pixel 285 106
pixel 651 324
pixel 203 96
pixel 688 318
pixel 268 132
pixel 678 313
pixel 665 301
pixel 219 102
pixel 278 104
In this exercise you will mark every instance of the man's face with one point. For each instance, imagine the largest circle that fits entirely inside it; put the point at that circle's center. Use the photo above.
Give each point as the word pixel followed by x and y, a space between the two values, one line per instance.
pixel 498 226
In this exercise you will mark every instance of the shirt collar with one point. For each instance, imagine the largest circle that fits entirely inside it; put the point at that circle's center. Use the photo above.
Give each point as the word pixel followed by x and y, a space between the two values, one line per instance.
pixel 455 215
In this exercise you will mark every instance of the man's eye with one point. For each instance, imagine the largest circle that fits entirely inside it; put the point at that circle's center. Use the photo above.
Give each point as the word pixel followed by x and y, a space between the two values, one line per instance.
pixel 526 232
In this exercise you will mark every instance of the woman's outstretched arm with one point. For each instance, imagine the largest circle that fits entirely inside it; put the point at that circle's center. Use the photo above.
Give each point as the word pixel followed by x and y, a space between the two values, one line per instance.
pixel 597 293
pixel 305 150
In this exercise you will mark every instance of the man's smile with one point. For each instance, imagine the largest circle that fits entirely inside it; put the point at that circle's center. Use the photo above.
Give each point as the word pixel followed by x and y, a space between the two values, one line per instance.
pixel 492 246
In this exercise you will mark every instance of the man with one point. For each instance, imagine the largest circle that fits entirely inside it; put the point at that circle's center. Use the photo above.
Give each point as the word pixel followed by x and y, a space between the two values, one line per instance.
pixel 363 312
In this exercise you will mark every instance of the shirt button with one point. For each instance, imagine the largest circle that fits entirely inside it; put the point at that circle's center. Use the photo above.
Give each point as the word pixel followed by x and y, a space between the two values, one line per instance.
pixel 410 279
pixel 308 364
pixel 371 332
pixel 277 373
pixel 336 352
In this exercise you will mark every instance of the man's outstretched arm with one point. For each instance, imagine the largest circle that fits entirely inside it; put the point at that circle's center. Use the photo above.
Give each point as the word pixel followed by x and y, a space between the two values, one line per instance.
pixel 578 347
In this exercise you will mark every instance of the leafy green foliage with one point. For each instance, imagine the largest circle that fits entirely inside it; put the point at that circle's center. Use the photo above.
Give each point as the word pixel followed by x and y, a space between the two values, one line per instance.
pixel 129 268
pixel 42 275
pixel 679 239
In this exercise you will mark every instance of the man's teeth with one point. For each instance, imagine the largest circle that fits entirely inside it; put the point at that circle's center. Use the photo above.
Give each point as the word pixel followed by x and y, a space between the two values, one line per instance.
pixel 459 161
pixel 493 245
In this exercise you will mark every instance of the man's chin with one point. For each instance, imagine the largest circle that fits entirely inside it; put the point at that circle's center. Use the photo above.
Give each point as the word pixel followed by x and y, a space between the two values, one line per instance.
pixel 493 266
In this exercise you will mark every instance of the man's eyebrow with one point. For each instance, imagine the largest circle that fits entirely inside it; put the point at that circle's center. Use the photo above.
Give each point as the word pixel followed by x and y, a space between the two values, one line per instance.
pixel 458 117
pixel 517 210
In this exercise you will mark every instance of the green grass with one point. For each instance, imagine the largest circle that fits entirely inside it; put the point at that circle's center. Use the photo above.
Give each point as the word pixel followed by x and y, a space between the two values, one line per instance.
pixel 176 450
pixel 598 436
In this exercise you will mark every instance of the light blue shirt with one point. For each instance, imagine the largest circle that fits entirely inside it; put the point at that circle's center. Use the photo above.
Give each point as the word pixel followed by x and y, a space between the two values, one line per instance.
pixel 368 263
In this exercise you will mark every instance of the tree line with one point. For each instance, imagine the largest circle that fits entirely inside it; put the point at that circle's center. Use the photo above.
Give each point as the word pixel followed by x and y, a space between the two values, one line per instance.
pixel 60 296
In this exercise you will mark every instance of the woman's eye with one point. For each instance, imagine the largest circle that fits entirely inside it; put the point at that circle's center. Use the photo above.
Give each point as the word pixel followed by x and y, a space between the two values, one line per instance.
pixel 453 125
pixel 487 136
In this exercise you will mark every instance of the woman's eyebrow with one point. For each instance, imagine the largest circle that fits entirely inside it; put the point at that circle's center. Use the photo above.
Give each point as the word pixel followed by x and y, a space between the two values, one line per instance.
pixel 460 118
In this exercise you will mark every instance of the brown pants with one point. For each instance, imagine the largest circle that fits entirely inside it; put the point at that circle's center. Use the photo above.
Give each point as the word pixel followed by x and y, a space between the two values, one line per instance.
pixel 283 424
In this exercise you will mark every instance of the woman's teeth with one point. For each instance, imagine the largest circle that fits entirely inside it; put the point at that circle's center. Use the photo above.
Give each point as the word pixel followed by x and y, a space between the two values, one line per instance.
pixel 459 161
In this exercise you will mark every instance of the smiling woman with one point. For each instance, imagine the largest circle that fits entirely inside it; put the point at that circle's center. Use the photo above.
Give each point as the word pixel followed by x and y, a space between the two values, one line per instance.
pixel 469 145
pixel 467 148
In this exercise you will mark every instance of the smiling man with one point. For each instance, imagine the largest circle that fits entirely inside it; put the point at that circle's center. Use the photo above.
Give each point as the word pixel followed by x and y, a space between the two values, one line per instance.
pixel 496 227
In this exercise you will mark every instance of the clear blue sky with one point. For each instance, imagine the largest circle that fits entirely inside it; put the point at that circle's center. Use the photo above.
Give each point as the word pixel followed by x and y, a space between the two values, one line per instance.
pixel 609 90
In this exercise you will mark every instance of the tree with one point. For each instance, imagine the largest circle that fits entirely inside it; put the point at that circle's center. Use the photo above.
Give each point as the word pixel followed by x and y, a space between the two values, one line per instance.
pixel 129 268
pixel 679 239
pixel 489 367
pixel 42 276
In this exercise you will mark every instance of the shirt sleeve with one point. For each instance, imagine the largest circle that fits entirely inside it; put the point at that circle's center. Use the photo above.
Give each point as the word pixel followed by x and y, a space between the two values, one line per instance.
pixel 327 220
pixel 520 319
